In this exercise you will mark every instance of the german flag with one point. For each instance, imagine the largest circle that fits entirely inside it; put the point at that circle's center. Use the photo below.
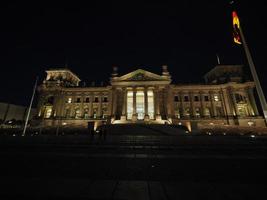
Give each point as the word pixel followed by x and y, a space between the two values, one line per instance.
pixel 236 28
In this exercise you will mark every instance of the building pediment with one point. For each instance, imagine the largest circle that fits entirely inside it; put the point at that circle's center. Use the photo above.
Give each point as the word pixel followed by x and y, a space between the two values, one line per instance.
pixel 141 75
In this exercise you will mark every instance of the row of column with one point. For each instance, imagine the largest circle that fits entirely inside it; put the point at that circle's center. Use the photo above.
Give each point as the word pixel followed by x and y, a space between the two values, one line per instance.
pixel 124 104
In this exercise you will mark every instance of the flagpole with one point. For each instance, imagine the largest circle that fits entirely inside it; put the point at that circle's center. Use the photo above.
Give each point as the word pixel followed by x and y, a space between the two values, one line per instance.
pixel 30 107
pixel 254 75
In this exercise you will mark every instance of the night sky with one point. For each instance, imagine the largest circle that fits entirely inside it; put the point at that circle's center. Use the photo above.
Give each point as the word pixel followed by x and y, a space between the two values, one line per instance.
pixel 91 38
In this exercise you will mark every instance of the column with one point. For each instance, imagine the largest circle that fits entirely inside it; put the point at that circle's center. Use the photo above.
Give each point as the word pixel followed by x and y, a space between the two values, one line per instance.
pixel 146 105
pixel 213 109
pixel 201 94
pixel 156 101
pixel 91 105
pixel 234 102
pixel 170 105
pixel 226 102
pixel 114 103
pixel 134 118
pixel 252 101
pixel 110 102
pixel 99 111
pixel 181 108
pixel 191 96
pixel 62 106
pixel 124 104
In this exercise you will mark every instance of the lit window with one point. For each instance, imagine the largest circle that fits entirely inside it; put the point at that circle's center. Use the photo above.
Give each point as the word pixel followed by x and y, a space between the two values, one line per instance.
pixel 48 112
pixel 77 114
pixel 197 110
pixel 94 113
pixel 187 112
pixel 177 113
pixel 69 100
pixel 86 113
pixel 104 113
pixel 216 97
pixel 207 112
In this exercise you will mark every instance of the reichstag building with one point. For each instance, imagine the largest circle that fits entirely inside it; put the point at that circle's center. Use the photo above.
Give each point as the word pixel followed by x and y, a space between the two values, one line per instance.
pixel 145 97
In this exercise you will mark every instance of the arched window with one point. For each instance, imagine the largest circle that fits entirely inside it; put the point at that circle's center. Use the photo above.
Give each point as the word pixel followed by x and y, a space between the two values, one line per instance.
pixel 95 113
pixel 187 112
pixel 86 113
pixel 77 113
pixel 67 113
pixel 207 112
pixel 197 111
pixel 48 111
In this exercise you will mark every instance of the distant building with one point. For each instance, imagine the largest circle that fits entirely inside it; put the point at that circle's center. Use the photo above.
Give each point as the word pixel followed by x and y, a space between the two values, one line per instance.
pixel 14 112
pixel 144 97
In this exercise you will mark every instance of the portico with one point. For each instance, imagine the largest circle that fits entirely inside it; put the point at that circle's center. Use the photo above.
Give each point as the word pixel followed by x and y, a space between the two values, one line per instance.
pixel 139 95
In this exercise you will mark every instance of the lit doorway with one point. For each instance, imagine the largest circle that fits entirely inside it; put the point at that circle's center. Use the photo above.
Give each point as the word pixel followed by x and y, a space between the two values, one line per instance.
pixel 140 105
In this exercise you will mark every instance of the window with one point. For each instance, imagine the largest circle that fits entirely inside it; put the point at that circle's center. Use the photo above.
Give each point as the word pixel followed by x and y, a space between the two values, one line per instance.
pixel 150 104
pixel 48 112
pixel 186 98
pixel 67 113
pixel 207 112
pixel 216 97
pixel 105 99
pixel 94 113
pixel 104 112
pixel 187 112
pixel 96 99
pixel 87 99
pixel 86 113
pixel 196 98
pixel 239 98
pixel 176 98
pixel 77 113
pixel 177 113
pixel 206 98
pixel 219 111
pixel 78 100
pixel 69 100
pixel 197 110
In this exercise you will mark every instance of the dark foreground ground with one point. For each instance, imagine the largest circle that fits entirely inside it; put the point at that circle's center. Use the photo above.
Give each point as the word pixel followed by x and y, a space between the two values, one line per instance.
pixel 133 167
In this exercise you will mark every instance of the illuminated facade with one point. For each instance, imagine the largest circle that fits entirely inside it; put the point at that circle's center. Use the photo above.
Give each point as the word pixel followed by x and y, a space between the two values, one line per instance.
pixel 145 97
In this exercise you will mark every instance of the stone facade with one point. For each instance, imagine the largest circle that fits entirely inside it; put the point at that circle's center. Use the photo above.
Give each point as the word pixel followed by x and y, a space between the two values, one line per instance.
pixel 145 97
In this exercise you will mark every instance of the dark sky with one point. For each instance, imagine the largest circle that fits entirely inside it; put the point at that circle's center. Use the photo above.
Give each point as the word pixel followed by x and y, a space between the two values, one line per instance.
pixel 94 37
